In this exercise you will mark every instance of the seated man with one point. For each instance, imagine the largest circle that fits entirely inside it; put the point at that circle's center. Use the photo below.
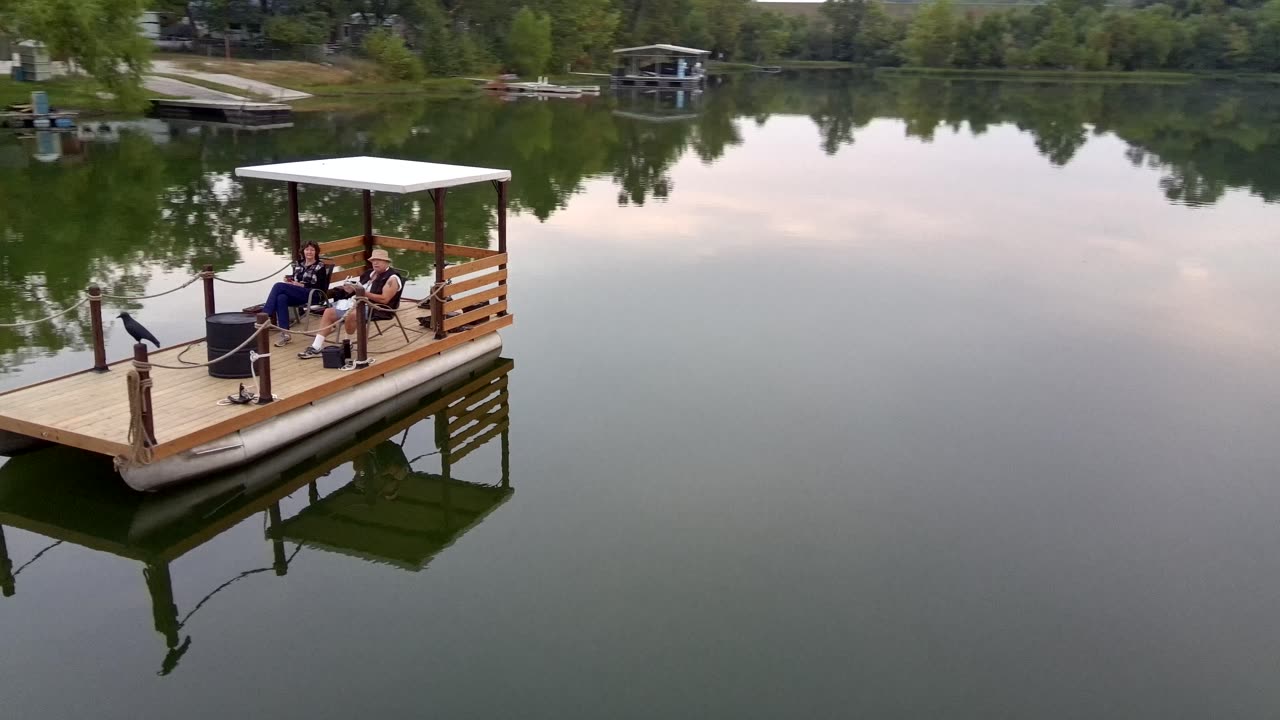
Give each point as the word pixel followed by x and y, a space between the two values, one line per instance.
pixel 380 284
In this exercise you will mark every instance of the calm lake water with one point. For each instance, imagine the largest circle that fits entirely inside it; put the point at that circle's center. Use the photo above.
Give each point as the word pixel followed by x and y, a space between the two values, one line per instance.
pixel 828 397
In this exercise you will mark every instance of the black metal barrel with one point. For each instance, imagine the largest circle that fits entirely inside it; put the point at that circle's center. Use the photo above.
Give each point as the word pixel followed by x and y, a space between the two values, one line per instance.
pixel 225 332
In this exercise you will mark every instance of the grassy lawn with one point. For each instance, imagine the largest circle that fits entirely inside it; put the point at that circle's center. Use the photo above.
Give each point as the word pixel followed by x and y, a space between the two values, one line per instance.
pixel 349 79
pixel 65 93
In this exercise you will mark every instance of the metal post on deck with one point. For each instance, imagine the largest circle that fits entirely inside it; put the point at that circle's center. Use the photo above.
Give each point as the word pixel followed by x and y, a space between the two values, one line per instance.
pixel 502 236
pixel 367 203
pixel 99 340
pixel 295 232
pixel 437 302
pixel 148 415
pixel 209 306
pixel 262 363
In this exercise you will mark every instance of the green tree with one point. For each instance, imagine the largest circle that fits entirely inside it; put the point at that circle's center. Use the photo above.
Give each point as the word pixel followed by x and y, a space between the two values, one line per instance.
pixel 1266 37
pixel 930 39
pixel 992 36
pixel 968 52
pixel 878 37
pixel 529 43
pixel 99 37
pixel 392 57
pixel 1058 47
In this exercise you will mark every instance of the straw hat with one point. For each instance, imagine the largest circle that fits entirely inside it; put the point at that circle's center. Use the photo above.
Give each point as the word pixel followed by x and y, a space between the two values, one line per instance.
pixel 379 254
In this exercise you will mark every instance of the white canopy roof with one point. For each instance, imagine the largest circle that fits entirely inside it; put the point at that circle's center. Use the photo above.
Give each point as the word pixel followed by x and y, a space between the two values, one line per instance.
pixel 374 173
pixel 664 48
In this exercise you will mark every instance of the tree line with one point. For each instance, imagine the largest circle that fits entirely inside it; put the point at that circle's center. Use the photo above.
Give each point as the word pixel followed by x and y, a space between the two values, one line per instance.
pixel 535 36
pixel 448 37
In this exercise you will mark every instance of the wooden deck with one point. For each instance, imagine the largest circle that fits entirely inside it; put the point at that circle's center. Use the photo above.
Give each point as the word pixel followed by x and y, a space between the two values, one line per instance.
pixel 91 410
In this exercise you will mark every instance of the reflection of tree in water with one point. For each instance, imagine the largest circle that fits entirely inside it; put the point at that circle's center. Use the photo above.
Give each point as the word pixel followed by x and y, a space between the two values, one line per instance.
pixel 1207 138
pixel 127 210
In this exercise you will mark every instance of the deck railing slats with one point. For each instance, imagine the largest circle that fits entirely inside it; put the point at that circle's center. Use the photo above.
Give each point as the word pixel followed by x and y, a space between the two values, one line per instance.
pixel 477 315
pixel 474 266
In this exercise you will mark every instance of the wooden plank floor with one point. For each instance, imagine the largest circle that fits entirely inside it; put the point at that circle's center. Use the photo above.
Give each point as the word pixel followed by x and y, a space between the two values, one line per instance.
pixel 91 410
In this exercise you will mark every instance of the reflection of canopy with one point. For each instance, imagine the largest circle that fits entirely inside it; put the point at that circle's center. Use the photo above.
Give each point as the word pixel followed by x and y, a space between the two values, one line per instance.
pixel 426 515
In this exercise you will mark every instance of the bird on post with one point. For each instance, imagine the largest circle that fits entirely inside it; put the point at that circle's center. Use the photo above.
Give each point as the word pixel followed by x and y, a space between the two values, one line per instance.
pixel 135 329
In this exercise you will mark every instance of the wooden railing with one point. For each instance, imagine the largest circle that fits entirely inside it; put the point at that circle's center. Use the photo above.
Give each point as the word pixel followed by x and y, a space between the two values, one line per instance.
pixel 478 297
pixel 471 295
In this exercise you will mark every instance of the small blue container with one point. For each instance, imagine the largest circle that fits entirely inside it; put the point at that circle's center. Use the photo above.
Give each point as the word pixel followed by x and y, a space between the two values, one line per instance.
pixel 16 73
pixel 40 102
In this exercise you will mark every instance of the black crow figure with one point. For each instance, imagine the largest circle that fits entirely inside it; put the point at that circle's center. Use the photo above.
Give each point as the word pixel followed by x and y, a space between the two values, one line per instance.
pixel 134 328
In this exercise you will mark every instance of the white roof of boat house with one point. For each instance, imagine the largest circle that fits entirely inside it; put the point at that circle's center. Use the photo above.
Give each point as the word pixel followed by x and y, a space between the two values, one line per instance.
pixel 677 49
pixel 375 173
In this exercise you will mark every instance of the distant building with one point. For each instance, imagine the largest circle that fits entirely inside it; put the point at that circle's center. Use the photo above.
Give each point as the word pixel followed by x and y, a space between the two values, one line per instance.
pixel 150 23
pixel 360 24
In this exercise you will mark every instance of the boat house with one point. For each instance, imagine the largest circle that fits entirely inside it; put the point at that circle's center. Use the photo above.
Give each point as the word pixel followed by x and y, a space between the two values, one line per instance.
pixel 661 66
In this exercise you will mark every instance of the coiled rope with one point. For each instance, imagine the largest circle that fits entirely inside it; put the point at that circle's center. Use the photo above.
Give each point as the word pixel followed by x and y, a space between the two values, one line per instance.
pixel 139 444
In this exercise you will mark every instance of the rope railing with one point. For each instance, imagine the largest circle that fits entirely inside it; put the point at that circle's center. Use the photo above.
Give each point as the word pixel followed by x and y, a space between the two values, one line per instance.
pixel 54 316
pixel 109 296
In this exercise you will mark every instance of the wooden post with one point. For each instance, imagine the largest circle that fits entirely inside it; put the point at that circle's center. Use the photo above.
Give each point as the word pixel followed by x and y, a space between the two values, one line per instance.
pixel 362 334
pixel 209 306
pixel 295 231
pixel 148 416
pixel 99 340
pixel 367 203
pixel 6 568
pixel 437 301
pixel 262 366
pixel 502 237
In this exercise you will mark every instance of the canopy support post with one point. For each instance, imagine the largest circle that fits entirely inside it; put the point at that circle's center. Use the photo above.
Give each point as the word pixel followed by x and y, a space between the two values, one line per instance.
pixel 437 299
pixel 367 202
pixel 502 233
pixel 295 232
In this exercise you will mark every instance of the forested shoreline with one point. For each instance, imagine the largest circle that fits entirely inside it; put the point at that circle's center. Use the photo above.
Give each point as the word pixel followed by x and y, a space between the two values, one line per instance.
pixel 412 39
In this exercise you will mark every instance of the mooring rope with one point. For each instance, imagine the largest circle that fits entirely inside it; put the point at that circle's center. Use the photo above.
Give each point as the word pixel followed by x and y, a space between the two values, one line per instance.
pixel 139 444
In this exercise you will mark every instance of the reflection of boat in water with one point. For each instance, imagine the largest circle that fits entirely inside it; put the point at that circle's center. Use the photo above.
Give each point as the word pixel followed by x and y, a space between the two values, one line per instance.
pixel 649 105
pixel 391 512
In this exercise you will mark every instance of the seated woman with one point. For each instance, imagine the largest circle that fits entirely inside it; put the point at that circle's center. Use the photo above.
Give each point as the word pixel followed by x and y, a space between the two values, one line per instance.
pixel 309 274
pixel 380 284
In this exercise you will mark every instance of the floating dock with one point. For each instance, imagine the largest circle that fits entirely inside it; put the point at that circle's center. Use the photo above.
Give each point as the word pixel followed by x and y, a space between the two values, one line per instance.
pixel 165 425
pixel 240 112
